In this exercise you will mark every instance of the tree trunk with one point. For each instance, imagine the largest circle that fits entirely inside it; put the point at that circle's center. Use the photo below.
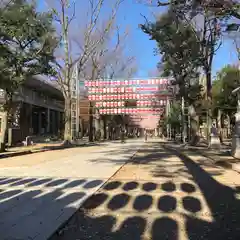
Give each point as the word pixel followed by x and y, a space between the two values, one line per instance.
pixel 81 127
pixel 229 134
pixel 194 125
pixel 183 132
pixel 67 120
pixel 102 126
pixel 90 132
pixel 4 131
pixel 105 134
pixel 97 124
pixel 7 112
pixel 219 125
pixel 209 100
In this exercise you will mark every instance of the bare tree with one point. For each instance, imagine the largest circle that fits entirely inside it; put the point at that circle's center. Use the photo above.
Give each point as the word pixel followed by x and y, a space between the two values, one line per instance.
pixel 106 62
pixel 80 48
pixel 206 26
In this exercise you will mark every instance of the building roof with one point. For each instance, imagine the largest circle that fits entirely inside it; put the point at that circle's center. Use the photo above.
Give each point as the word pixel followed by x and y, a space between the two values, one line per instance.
pixel 44 84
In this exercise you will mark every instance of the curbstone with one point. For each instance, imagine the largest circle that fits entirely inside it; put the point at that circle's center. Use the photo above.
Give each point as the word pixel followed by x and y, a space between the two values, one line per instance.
pixel 15 154
pixel 27 152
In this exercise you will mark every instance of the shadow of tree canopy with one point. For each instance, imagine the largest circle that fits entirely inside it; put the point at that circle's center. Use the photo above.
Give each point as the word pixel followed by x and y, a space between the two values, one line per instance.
pixel 126 209
pixel 108 215
pixel 221 200
pixel 153 155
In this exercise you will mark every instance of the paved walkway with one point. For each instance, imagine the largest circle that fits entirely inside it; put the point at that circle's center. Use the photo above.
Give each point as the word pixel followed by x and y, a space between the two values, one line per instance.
pixel 35 199
pixel 161 195
pixel 221 157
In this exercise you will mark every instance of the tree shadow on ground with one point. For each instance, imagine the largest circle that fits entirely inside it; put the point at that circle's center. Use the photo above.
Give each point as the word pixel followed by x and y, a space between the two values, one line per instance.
pixel 35 207
pixel 221 200
pixel 155 210
pixel 123 209
pixel 119 156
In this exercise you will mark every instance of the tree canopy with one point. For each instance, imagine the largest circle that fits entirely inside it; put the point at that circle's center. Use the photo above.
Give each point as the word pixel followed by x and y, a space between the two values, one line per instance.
pixel 179 48
pixel 226 81
pixel 27 43
pixel 228 8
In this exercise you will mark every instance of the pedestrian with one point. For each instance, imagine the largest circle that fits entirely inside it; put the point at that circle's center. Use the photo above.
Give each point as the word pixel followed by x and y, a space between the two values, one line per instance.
pixel 145 135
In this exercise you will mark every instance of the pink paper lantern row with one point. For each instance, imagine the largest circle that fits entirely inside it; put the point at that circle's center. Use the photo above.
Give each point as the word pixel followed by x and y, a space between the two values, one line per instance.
pixel 111 90
pixel 104 90
pixel 126 96
pixel 130 111
pixel 152 103
pixel 110 104
pixel 101 83
pixel 142 89
pixel 139 103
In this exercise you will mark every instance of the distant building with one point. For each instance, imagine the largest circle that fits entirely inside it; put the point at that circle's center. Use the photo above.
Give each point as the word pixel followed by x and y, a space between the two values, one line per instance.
pixel 38 110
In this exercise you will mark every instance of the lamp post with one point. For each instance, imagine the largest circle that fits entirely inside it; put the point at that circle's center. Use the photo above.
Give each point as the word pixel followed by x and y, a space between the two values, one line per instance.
pixel 236 135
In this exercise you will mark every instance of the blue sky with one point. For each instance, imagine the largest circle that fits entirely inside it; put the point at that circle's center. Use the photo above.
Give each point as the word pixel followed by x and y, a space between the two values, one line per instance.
pixel 139 44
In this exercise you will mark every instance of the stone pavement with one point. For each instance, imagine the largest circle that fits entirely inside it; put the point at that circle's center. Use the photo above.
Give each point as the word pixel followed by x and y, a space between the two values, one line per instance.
pixel 220 157
pixel 36 199
pixel 161 195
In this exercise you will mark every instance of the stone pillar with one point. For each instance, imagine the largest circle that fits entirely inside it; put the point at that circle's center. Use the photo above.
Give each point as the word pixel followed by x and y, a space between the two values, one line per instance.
pixel 214 138
pixel 236 137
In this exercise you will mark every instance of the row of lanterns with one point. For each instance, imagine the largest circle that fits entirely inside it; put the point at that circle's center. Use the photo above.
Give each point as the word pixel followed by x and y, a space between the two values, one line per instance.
pixel 131 111
pixel 126 96
pixel 126 89
pixel 139 103
pixel 126 82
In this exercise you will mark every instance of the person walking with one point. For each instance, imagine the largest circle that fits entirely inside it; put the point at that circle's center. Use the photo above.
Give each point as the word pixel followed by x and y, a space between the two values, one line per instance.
pixel 145 135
